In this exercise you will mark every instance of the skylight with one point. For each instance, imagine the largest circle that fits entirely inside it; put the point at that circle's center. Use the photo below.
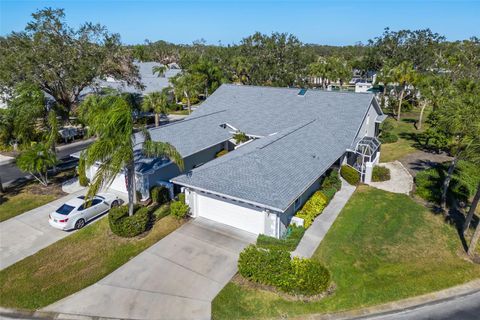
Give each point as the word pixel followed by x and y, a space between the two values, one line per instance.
pixel 302 92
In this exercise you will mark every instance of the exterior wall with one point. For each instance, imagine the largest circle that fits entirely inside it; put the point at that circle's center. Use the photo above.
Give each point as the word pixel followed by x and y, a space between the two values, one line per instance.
pixel 368 125
pixel 286 216
pixel 164 174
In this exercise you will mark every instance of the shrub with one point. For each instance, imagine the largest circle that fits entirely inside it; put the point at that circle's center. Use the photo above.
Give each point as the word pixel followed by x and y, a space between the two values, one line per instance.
pixel 129 226
pixel 329 193
pixel 388 125
pixel 312 208
pixel 350 175
pixel 274 267
pixel 179 209
pixel 332 180
pixel 465 178
pixel 289 243
pixel 221 153
pixel 380 173
pixel 160 195
pixel 162 212
pixel 310 277
pixel 270 267
pixel 388 138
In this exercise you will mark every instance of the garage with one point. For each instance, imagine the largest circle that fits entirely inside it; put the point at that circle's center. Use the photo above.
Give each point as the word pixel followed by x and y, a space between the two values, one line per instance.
pixel 230 212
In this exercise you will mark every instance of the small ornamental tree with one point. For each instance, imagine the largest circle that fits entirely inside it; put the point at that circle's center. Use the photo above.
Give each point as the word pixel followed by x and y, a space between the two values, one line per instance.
pixel 36 161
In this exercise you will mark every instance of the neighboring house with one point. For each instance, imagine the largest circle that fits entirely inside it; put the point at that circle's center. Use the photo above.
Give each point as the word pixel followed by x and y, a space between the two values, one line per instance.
pixel 296 135
pixel 152 81
pixel 363 87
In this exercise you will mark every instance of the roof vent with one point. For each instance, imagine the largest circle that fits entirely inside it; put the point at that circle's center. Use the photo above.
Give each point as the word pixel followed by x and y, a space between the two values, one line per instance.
pixel 302 92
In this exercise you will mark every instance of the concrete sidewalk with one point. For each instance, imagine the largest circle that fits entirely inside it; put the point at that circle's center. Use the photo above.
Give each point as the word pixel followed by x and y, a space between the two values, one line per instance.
pixel 25 234
pixel 177 278
pixel 319 228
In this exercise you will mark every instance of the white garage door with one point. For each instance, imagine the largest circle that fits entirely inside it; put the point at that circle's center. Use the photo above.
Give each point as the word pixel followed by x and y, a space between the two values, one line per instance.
pixel 235 214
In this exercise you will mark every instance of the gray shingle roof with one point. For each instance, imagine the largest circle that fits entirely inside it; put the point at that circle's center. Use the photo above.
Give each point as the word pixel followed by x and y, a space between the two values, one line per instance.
pixel 152 82
pixel 310 133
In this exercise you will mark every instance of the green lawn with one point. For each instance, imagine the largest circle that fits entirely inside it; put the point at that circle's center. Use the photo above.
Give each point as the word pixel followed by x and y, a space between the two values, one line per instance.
pixel 73 263
pixel 22 198
pixel 383 247
pixel 407 139
pixel 13 205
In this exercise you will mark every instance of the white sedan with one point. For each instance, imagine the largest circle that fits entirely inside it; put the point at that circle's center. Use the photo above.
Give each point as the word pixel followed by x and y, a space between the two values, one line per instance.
pixel 74 214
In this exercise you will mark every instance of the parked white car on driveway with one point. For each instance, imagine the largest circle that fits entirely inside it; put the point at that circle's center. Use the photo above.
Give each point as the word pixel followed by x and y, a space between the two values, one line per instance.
pixel 74 214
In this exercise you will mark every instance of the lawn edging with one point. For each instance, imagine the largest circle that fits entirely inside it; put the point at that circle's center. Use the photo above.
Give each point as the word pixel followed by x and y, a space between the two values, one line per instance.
pixel 389 308
pixel 394 307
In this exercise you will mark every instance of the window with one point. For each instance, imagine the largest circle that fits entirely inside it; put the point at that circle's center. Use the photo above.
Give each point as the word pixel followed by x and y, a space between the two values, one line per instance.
pixel 65 209
pixel 296 205
pixel 94 203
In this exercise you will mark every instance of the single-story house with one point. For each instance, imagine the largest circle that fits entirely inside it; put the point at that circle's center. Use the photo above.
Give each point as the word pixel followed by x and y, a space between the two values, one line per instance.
pixel 151 82
pixel 294 137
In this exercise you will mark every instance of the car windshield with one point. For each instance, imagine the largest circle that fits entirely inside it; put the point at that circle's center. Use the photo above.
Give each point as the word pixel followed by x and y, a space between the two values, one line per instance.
pixel 65 209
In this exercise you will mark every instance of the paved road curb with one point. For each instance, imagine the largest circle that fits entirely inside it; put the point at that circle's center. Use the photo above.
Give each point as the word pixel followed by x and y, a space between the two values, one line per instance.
pixel 375 311
pixel 408 304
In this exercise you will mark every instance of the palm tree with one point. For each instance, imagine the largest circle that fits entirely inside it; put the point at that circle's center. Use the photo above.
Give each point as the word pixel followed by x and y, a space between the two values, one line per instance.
pixel 404 75
pixel 187 85
pixel 158 102
pixel 385 76
pixel 37 160
pixel 114 146
pixel 160 70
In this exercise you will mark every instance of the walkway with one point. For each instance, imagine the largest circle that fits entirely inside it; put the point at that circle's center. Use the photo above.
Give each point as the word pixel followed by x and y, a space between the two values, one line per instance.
pixel 400 181
pixel 177 278
pixel 319 228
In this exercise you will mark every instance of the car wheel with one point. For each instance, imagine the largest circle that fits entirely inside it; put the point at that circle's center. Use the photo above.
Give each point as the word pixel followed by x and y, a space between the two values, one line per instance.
pixel 114 204
pixel 79 224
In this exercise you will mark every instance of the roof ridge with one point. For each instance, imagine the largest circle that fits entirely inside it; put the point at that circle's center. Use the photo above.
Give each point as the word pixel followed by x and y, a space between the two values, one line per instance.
pixel 186 120
pixel 288 132
pixel 317 90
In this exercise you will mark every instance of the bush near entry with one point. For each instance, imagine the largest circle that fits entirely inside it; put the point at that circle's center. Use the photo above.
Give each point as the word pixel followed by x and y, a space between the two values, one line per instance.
pixel 127 226
pixel 276 268
pixel 332 181
pixel 350 175
pixel 380 173
pixel 312 208
pixel 179 209
pixel 160 195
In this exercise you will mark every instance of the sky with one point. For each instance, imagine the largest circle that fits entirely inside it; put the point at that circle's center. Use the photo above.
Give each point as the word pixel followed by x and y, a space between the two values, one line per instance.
pixel 332 22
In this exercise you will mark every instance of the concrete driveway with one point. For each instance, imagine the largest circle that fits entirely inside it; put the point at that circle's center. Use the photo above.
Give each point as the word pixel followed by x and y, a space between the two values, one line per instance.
pixel 25 234
pixel 177 278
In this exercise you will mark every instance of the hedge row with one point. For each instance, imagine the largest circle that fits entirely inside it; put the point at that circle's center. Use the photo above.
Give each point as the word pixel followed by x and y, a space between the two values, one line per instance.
pixel 276 268
pixel 350 174
pixel 312 208
pixel 129 226
pixel 289 243
pixel 320 199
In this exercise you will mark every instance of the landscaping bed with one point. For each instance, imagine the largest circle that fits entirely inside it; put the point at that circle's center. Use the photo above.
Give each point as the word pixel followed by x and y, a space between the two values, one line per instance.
pixel 74 263
pixel 383 247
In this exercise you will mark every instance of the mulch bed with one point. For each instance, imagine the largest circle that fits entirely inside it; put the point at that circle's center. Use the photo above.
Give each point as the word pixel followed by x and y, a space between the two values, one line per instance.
pixel 245 283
